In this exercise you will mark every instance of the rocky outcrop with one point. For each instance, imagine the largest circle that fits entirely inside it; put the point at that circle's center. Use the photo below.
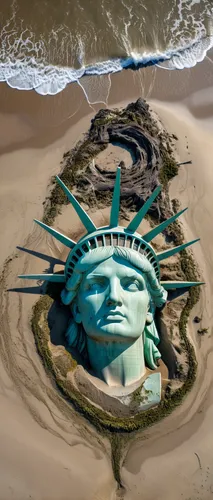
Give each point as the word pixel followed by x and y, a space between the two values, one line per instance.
pixel 134 129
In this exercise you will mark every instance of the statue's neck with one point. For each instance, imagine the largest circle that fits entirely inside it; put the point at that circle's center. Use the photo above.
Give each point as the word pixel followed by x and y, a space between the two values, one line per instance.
pixel 117 363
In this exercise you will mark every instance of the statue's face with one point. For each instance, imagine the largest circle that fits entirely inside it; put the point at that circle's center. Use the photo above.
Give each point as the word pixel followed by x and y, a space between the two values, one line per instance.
pixel 113 301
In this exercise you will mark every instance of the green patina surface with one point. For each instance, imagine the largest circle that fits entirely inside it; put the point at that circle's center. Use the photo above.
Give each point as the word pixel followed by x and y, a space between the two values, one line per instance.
pixel 117 428
pixel 113 289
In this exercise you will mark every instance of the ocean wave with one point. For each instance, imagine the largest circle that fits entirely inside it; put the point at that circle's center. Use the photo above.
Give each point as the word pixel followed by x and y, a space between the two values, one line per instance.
pixel 29 74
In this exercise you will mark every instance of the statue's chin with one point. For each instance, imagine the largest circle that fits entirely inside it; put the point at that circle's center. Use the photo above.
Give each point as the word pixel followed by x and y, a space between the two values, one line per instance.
pixel 106 336
pixel 113 332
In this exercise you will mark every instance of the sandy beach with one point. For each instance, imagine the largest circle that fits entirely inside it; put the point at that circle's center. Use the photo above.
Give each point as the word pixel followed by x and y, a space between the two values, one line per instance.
pixel 48 452
pixel 170 448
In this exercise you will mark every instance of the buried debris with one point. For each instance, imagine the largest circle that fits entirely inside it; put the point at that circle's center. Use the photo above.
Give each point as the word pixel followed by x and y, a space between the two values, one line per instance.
pixel 202 331
pixel 197 319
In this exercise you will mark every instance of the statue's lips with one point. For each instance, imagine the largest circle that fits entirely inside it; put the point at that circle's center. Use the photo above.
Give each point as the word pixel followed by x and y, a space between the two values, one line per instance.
pixel 114 315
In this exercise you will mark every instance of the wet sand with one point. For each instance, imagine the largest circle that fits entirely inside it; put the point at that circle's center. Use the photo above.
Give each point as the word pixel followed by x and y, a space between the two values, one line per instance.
pixel 49 452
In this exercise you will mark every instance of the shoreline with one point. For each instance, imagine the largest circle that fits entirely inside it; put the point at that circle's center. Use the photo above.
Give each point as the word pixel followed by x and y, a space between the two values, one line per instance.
pixel 177 57
pixel 175 439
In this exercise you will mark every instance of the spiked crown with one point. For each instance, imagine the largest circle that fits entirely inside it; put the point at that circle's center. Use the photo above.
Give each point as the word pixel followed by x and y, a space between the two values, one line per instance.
pixel 114 235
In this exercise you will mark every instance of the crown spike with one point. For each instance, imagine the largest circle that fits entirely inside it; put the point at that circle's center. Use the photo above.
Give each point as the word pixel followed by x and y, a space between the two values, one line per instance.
pixel 114 214
pixel 133 226
pixel 172 251
pixel 60 237
pixel 83 216
pixel 57 278
pixel 159 229
pixel 170 285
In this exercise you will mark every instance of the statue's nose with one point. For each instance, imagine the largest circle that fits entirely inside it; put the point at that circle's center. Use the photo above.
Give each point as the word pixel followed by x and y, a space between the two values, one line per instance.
pixel 114 296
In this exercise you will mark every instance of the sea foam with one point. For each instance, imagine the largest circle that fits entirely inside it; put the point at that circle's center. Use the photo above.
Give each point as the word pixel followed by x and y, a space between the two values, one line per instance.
pixel 30 73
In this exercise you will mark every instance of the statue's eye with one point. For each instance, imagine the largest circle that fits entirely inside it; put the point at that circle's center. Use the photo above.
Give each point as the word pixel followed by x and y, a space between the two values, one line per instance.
pixel 132 285
pixel 96 285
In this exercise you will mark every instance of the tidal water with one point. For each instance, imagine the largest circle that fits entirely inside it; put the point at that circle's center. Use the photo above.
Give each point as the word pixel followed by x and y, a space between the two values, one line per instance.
pixel 47 44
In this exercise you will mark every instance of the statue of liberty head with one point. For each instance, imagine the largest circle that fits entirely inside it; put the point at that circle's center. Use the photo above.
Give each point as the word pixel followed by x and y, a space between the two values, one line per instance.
pixel 112 287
